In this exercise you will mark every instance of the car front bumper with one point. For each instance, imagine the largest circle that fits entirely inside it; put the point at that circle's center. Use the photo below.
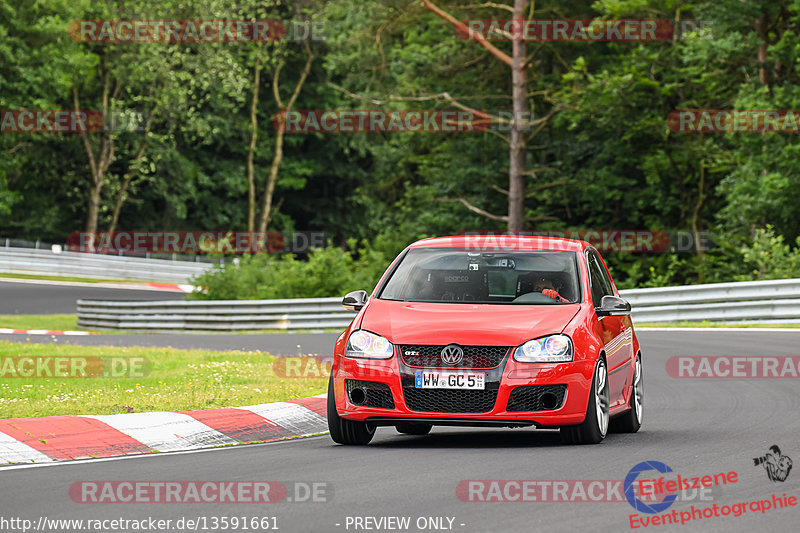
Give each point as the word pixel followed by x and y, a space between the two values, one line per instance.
pixel 576 376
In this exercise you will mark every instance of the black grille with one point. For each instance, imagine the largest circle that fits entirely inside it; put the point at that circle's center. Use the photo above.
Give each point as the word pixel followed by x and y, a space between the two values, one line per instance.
pixel 429 355
pixel 529 398
pixel 377 394
pixel 450 400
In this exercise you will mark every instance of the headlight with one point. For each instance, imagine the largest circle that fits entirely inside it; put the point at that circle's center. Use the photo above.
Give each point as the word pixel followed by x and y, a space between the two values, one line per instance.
pixel 550 349
pixel 365 344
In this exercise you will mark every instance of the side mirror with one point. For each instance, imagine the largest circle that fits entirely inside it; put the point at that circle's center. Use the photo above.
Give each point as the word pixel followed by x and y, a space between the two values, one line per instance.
pixel 613 306
pixel 355 300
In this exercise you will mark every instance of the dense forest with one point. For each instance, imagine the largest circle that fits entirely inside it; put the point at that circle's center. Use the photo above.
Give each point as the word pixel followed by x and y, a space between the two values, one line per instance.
pixel 575 133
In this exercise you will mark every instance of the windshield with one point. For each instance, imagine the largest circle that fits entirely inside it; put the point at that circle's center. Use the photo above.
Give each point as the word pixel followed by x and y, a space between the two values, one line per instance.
pixel 457 276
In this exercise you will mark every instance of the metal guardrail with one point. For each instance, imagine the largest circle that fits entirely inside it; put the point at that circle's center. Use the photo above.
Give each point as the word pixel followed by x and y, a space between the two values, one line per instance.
pixel 215 315
pixel 50 262
pixel 749 301
pixel 754 301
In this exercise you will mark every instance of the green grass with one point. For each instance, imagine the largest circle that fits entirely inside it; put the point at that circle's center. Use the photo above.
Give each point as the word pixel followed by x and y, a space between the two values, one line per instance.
pixel 177 380
pixel 52 322
pixel 706 324
pixel 65 278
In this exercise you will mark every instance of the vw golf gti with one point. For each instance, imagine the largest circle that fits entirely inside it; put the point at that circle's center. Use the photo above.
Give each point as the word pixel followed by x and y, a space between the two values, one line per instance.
pixel 488 330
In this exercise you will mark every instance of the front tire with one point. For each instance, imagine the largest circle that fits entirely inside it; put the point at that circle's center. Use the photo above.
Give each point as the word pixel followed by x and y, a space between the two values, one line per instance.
pixel 343 431
pixel 631 421
pixel 594 427
pixel 413 428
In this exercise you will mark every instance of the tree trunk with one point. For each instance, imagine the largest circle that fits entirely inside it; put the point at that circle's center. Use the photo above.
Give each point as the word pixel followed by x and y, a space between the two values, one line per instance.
pixel 251 196
pixel 94 205
pixel 517 141
pixel 123 193
pixel 761 31
pixel 126 181
pixel 272 178
pixel 516 167
pixel 696 214
pixel 763 41
pixel 99 164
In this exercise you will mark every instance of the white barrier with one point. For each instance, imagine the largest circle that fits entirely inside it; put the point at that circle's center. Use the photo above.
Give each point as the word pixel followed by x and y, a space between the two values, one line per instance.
pixel 50 262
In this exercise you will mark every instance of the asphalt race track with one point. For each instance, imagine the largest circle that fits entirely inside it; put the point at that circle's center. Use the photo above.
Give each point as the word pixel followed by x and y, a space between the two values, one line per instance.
pixel 697 427
pixel 19 298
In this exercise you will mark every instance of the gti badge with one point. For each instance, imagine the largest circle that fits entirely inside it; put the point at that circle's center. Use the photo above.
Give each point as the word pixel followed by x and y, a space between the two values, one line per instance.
pixel 452 354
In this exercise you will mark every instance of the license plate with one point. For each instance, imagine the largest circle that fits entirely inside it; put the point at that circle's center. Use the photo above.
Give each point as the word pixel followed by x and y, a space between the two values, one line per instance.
pixel 449 380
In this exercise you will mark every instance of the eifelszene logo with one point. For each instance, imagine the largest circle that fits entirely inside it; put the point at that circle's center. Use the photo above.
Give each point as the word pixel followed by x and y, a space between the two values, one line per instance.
pixel 630 494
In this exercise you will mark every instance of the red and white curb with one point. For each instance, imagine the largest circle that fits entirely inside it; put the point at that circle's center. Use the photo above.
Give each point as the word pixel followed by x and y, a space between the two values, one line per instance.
pixel 136 286
pixel 179 287
pixel 59 438
pixel 43 332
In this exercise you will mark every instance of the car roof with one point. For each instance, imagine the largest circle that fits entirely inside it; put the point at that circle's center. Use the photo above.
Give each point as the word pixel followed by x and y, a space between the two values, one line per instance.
pixel 492 242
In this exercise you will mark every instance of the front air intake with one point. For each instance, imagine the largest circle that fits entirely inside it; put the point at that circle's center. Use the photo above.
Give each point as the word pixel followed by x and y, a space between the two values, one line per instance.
pixel 369 394
pixel 536 398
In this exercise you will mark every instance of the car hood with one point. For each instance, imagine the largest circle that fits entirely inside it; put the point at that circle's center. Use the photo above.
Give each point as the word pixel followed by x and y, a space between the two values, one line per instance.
pixel 466 324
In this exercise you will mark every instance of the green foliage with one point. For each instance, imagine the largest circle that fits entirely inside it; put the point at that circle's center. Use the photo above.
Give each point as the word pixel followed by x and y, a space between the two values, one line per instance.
pixel 328 272
pixel 605 160
pixel 769 257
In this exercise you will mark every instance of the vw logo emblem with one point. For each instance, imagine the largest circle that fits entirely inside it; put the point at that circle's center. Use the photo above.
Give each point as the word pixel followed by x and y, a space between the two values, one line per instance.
pixel 452 354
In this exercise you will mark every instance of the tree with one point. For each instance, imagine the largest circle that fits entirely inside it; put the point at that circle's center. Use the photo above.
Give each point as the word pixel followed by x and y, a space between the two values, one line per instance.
pixel 517 149
pixel 277 158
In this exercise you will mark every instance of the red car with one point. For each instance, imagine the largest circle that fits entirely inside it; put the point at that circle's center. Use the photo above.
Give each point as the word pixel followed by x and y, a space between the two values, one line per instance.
pixel 489 330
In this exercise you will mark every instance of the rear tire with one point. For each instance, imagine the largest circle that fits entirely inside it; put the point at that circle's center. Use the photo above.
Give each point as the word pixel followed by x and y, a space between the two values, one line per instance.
pixel 414 428
pixel 344 431
pixel 594 427
pixel 631 421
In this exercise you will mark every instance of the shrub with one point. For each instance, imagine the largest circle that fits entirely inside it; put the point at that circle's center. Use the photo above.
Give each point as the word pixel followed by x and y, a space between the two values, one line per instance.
pixel 328 272
pixel 769 257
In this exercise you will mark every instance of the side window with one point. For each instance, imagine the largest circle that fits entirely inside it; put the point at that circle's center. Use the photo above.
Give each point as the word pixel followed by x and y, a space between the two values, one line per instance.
pixel 606 277
pixel 597 279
